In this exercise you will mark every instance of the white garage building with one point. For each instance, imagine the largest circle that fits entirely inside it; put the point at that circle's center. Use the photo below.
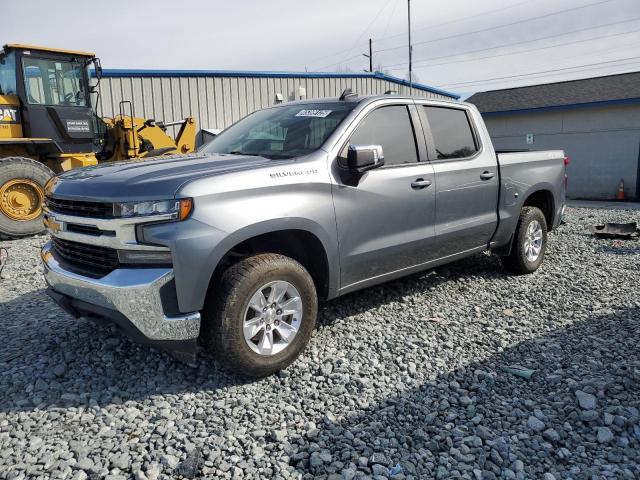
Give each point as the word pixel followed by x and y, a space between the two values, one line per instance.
pixel 595 120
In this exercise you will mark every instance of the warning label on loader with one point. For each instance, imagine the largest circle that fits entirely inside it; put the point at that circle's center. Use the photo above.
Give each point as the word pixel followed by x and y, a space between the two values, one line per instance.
pixel 78 126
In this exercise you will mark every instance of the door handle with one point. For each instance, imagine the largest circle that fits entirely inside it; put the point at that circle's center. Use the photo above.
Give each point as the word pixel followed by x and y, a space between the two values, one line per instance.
pixel 486 175
pixel 420 183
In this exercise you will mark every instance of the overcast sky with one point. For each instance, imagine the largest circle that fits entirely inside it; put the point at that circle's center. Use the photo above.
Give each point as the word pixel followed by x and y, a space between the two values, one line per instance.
pixel 459 45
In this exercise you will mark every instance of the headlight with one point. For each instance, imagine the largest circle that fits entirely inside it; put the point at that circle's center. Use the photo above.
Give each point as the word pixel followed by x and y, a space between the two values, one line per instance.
pixel 178 209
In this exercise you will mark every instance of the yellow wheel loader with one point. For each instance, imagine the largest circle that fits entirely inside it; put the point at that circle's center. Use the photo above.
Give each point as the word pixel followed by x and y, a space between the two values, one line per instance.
pixel 47 126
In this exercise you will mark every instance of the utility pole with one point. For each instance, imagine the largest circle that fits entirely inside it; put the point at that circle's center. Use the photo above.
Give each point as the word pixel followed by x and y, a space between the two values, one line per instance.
pixel 410 48
pixel 370 56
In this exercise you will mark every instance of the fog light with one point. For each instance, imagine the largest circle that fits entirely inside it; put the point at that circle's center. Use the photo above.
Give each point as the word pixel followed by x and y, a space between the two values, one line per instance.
pixel 146 257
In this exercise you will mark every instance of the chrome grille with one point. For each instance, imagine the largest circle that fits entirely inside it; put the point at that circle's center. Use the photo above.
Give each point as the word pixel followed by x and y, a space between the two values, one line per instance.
pixel 79 208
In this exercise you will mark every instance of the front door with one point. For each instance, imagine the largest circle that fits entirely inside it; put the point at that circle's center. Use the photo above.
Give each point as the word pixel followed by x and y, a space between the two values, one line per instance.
pixel 55 101
pixel 386 220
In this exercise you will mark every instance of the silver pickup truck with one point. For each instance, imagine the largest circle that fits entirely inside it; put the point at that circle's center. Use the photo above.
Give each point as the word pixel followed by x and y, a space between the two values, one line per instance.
pixel 234 246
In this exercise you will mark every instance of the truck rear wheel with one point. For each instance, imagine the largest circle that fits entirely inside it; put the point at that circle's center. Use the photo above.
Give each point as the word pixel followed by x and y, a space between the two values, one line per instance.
pixel 529 244
pixel 22 182
pixel 260 314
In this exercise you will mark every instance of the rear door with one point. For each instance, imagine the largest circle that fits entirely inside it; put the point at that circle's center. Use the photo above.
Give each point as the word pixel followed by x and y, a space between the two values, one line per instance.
pixel 385 219
pixel 466 180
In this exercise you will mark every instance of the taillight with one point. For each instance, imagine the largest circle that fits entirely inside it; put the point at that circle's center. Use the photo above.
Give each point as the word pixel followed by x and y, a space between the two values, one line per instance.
pixel 567 161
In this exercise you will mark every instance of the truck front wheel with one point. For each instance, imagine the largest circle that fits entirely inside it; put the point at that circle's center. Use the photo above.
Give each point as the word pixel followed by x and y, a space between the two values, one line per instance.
pixel 260 314
pixel 529 244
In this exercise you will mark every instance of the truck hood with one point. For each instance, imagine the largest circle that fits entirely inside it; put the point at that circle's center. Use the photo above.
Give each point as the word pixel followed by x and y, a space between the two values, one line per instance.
pixel 148 179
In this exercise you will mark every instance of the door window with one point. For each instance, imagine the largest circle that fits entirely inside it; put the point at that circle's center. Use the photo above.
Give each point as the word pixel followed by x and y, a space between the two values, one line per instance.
pixel 51 82
pixel 390 127
pixel 8 74
pixel 451 132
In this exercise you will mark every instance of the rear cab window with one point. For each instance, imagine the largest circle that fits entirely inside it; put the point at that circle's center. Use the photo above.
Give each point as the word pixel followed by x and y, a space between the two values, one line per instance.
pixel 453 136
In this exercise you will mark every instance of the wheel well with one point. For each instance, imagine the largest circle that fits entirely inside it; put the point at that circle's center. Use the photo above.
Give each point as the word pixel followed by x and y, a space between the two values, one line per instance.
pixel 543 199
pixel 302 246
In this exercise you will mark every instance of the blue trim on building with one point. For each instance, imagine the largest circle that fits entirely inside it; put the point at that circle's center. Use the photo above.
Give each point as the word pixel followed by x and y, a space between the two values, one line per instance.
pixel 603 103
pixel 117 72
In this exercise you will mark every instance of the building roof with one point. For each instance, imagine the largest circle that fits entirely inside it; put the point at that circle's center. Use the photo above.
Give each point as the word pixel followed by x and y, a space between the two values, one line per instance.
pixel 611 88
pixel 240 73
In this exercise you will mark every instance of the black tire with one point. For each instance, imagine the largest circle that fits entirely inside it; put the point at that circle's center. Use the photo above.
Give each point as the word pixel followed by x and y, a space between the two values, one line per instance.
pixel 224 312
pixel 20 167
pixel 517 262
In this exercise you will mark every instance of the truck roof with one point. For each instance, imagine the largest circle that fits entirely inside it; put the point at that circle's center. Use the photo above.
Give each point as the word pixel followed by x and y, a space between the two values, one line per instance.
pixel 355 98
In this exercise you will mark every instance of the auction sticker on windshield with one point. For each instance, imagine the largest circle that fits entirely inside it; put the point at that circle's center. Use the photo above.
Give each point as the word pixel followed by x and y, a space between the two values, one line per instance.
pixel 313 113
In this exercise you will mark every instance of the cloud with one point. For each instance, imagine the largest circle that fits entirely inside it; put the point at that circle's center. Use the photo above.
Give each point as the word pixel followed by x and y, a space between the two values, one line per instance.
pixel 332 34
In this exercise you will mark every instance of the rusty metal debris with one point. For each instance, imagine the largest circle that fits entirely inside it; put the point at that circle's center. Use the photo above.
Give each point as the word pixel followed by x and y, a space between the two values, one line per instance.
pixel 614 230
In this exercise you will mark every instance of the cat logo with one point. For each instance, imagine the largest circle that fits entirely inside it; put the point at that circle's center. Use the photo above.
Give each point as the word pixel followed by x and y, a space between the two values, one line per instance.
pixel 8 115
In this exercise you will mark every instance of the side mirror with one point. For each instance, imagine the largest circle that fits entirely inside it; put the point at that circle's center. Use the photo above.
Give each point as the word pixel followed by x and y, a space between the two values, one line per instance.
pixel 360 158
pixel 97 68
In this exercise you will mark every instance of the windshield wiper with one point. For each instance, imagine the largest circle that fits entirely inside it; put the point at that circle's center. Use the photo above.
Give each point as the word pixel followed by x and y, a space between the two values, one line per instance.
pixel 237 152
pixel 270 156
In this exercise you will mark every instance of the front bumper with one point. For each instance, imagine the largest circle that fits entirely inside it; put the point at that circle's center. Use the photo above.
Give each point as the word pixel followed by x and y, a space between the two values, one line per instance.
pixel 130 297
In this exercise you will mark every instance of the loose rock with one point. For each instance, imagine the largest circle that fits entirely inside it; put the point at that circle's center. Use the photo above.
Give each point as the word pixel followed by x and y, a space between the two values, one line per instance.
pixel 409 372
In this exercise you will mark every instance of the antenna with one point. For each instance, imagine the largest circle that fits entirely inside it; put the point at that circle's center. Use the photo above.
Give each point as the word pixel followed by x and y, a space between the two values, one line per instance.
pixel 410 47
pixel 347 93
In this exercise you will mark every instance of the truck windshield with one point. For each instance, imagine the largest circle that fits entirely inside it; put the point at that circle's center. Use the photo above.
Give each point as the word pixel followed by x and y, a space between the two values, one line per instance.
pixel 53 82
pixel 281 132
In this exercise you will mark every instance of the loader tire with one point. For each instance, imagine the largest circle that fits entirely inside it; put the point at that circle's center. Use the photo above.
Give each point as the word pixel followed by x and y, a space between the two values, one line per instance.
pixel 22 182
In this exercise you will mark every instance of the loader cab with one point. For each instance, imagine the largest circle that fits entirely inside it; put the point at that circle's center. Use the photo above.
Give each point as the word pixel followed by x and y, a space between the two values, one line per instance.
pixel 53 95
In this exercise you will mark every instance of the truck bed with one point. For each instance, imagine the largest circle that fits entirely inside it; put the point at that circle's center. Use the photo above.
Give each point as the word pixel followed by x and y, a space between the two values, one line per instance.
pixel 519 172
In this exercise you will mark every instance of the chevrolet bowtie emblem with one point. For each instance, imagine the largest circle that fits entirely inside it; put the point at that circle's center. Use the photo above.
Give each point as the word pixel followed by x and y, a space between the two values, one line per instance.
pixel 52 225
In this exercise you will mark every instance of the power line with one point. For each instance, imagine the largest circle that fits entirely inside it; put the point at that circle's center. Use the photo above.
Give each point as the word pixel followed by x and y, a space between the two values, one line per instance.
pixel 341 61
pixel 635 65
pixel 514 53
pixel 458 20
pixel 393 11
pixel 419 29
pixel 355 43
pixel 487 29
pixel 498 26
pixel 507 77
pixel 522 42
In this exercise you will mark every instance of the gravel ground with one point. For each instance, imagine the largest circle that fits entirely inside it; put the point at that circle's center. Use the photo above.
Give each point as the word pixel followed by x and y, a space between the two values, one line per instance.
pixel 405 380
